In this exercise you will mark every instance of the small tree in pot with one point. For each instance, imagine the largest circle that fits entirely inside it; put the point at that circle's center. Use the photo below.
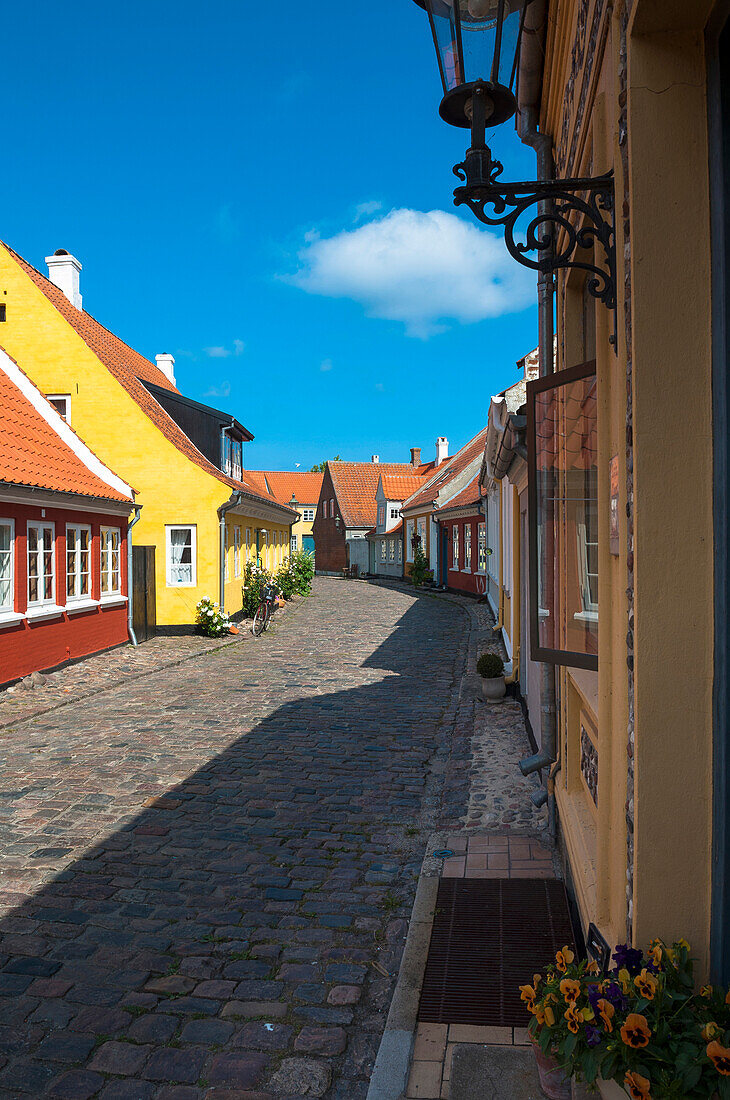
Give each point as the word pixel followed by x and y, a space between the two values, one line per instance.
pixel 490 667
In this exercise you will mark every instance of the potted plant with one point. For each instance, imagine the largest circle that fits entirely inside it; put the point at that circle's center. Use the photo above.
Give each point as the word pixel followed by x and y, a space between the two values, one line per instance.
pixel 490 667
pixel 642 1030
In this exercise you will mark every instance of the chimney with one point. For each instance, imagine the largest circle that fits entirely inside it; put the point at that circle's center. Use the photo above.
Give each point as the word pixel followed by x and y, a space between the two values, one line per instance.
pixel 376 458
pixel 63 271
pixel 166 363
pixel 415 456
pixel 442 449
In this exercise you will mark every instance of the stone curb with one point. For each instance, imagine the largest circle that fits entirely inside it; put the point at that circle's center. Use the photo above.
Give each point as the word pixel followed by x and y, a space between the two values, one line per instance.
pixel 130 679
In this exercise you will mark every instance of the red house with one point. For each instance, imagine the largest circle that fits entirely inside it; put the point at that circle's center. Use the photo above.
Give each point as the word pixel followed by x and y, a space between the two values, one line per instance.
pixel 63 537
pixel 463 535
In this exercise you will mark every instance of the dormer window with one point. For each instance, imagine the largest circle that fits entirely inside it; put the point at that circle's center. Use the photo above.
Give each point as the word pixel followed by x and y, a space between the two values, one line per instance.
pixel 231 456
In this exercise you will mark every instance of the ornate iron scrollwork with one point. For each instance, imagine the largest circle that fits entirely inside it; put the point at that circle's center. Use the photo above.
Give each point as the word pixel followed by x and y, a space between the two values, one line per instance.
pixel 552 232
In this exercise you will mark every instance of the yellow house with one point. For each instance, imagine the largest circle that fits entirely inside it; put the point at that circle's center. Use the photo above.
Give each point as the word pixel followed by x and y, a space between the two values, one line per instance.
pixel 201 517
pixel 300 491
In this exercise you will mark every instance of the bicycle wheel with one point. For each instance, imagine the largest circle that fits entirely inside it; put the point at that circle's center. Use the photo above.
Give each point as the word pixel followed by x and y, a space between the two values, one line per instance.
pixel 258 626
pixel 269 616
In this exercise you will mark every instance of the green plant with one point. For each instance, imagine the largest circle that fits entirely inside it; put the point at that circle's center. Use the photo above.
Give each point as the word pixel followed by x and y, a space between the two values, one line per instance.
pixel 320 467
pixel 490 665
pixel 643 1025
pixel 210 620
pixel 255 578
pixel 420 572
pixel 302 564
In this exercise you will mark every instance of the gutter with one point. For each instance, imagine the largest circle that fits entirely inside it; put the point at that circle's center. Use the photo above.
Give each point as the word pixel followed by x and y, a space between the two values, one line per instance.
pixel 130 579
pixel 234 500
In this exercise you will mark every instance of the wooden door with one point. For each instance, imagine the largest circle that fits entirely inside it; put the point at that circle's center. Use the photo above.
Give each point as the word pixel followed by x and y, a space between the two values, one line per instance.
pixel 144 606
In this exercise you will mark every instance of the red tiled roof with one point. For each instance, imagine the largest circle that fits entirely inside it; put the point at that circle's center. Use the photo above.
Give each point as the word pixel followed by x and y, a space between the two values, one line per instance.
pixel 282 483
pixel 356 484
pixel 470 494
pixel 446 473
pixel 373 533
pixel 128 367
pixel 33 454
pixel 400 486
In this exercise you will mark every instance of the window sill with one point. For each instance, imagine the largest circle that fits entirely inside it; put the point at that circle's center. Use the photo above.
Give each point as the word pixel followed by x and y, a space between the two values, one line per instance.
pixel 114 600
pixel 75 607
pixel 586 616
pixel 44 611
pixel 10 618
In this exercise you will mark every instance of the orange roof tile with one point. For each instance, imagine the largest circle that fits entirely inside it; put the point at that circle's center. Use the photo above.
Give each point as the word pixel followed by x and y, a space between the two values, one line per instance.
pixel 128 367
pixel 400 486
pixel 356 484
pixel 32 453
pixel 282 483
pixel 447 472
pixel 470 494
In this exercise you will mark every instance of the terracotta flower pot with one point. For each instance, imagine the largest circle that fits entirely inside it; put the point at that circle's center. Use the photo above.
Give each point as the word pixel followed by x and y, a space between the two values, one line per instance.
pixel 553 1081
pixel 611 1090
pixel 493 687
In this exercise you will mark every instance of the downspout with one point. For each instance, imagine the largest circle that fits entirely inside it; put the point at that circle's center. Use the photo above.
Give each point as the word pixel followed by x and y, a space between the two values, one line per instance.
pixel 130 578
pixel 530 81
pixel 514 675
pixel 500 616
pixel 235 498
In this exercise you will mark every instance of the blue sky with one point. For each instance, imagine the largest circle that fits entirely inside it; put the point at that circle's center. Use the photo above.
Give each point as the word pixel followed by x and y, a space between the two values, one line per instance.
pixel 265 191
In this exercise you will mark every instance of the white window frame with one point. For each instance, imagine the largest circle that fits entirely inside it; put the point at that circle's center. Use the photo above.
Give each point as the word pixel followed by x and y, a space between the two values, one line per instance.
pixel 421 527
pixel 400 551
pixel 409 539
pixel 112 593
pixel 455 547
pixel 590 607
pixel 482 548
pixel 293 544
pixel 332 508
pixel 308 515
pixel 77 596
pixel 192 527
pixel 391 550
pixel 381 515
pixel 382 550
pixel 9 606
pixel 65 397
pixel 467 548
pixel 45 603
pixel 493 535
pixel 236 551
pixel 395 513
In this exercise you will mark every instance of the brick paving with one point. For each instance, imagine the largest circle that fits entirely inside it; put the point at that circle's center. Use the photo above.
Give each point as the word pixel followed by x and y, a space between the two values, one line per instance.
pixel 206 871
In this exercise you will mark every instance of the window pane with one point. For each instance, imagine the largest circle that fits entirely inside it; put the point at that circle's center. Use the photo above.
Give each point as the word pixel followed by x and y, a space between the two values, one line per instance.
pixel 6 566
pixel 565 538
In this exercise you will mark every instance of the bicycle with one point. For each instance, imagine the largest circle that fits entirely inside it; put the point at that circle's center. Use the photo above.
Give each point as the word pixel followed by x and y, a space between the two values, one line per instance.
pixel 265 611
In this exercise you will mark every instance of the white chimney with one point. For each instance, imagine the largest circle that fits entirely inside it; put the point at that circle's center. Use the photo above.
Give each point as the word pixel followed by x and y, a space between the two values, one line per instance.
pixel 166 363
pixel 63 271
pixel 442 449
pixel 376 458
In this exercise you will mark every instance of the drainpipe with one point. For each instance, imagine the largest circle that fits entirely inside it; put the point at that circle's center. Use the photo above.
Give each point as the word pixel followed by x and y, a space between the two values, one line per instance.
pixel 514 675
pixel 530 80
pixel 130 578
pixel 235 498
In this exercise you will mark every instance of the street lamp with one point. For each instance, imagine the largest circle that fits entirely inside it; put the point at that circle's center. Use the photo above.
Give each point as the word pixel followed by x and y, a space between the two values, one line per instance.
pixel 478 49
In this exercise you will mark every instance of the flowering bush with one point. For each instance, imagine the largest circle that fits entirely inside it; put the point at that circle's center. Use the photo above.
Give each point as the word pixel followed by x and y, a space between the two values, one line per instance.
pixel 642 1025
pixel 210 620
pixel 255 579
pixel 302 563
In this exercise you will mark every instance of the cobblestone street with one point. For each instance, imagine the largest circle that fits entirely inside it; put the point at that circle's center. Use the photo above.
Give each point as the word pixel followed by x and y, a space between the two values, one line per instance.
pixel 206 872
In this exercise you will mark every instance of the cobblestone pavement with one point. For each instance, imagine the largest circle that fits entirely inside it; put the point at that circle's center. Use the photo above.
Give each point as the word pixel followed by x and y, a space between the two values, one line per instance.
pixel 206 872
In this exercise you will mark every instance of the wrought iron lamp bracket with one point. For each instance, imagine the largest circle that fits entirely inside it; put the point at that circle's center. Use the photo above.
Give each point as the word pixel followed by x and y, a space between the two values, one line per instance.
pixel 551 232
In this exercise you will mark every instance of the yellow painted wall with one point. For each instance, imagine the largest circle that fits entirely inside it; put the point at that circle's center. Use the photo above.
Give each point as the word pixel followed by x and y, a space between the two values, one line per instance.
pixel 271 555
pixel 171 488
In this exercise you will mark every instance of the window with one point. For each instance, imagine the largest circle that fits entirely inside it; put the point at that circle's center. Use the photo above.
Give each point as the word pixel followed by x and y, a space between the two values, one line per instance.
pixel 7 552
pixel 78 562
pixel 494 533
pixel 455 547
pixel 308 515
pixel 231 455
pixel 41 563
pixel 324 509
pixel 381 516
pixel 422 533
pixel 248 544
pixel 61 402
pixel 181 555
pixel 395 513
pixel 409 540
pixel 382 549
pixel 236 551
pixel 3 311
pixel 563 488
pixel 332 508
pixel 400 551
pixel 482 548
pixel 467 548
pixel 391 549
pixel 111 578
pixel 293 544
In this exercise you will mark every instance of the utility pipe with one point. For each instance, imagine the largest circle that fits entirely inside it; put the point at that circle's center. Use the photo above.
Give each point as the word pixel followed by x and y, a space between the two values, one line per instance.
pixel 234 499
pixel 500 617
pixel 514 675
pixel 130 575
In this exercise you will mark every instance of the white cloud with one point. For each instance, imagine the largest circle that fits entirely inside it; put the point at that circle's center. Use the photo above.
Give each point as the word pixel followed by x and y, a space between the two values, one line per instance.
pixel 424 269
pixel 224 390
pixel 220 352
pixel 379 387
pixel 326 365
pixel 365 209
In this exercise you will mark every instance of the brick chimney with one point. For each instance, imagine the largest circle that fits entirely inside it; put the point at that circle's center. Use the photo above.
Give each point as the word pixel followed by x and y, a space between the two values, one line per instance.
pixel 63 272
pixel 442 449
pixel 415 456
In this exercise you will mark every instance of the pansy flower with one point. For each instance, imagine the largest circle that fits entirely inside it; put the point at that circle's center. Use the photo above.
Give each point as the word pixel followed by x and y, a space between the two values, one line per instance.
pixel 606 1012
pixel 563 959
pixel 593 1036
pixel 636 1032
pixel 646 985
pixel 570 990
pixel 593 968
pixel 637 1086
pixel 655 952
pixel 574 1019
pixel 720 1057
pixel 628 958
pixel 709 1030
pixel 528 995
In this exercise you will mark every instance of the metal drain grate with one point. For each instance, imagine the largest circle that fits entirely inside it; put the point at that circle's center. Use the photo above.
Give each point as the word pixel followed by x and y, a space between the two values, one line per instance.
pixel 489 936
